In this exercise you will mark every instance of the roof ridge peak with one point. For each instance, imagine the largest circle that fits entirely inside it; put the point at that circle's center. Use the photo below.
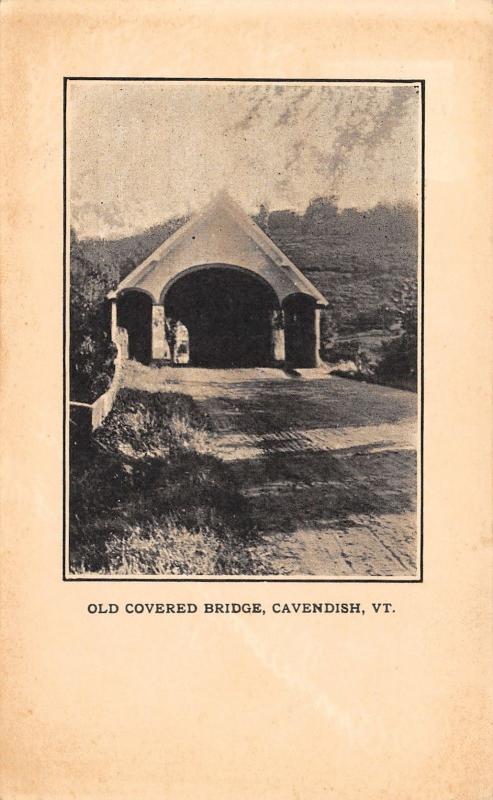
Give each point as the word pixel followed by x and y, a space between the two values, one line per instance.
pixel 222 202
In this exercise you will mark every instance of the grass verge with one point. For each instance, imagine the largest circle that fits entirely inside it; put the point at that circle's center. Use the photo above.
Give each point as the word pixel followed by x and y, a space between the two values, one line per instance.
pixel 147 497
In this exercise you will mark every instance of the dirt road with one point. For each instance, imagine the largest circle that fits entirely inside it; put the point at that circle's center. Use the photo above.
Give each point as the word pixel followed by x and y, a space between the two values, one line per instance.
pixel 328 464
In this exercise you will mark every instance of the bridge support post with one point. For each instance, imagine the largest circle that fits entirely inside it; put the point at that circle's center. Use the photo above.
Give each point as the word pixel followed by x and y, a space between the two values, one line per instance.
pixel 114 320
pixel 317 358
pixel 278 347
pixel 159 345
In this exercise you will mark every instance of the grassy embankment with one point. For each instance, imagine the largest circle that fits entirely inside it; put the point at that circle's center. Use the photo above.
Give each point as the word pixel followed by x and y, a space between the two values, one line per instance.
pixel 148 497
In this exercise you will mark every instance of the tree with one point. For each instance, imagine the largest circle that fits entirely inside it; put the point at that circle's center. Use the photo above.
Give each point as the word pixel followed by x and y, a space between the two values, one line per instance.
pixel 92 352
pixel 321 214
pixel 262 218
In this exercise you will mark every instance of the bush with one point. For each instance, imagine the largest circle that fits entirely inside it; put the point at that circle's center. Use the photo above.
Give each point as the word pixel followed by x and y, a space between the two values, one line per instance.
pixel 92 357
pixel 342 351
pixel 379 318
pixel 399 362
pixel 398 365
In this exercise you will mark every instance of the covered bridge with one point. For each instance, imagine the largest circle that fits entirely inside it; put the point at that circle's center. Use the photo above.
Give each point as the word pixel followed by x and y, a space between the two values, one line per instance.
pixel 243 302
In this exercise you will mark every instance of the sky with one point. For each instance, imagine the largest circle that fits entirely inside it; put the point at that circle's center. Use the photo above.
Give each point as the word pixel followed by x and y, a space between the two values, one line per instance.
pixel 140 152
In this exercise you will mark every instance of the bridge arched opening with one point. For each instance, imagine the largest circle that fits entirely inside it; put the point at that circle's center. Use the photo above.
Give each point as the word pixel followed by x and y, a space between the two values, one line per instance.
pixel 229 316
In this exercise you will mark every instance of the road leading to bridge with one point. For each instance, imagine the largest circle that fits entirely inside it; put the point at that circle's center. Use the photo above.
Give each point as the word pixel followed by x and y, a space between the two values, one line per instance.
pixel 328 465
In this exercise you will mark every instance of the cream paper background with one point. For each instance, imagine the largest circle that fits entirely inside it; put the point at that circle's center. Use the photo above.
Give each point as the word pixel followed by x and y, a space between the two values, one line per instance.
pixel 388 707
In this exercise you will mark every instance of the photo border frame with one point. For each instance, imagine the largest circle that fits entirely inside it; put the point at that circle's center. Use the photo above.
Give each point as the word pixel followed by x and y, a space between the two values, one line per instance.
pixel 419 578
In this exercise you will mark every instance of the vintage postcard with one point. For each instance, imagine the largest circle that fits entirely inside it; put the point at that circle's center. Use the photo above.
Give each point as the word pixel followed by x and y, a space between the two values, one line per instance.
pixel 245 385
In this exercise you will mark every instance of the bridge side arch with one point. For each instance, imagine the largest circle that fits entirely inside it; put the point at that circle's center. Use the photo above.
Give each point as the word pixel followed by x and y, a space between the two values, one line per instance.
pixel 134 313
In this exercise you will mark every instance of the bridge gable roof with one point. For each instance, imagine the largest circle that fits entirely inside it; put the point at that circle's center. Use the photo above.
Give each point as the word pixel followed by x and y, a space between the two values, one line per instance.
pixel 221 234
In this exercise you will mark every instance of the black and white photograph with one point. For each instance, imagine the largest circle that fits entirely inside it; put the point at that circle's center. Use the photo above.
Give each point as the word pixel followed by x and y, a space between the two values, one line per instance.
pixel 243 326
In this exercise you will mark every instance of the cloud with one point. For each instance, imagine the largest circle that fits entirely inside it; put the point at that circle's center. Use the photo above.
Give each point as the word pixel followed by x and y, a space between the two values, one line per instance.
pixel 291 112
pixel 142 152
pixel 368 126
pixel 252 114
